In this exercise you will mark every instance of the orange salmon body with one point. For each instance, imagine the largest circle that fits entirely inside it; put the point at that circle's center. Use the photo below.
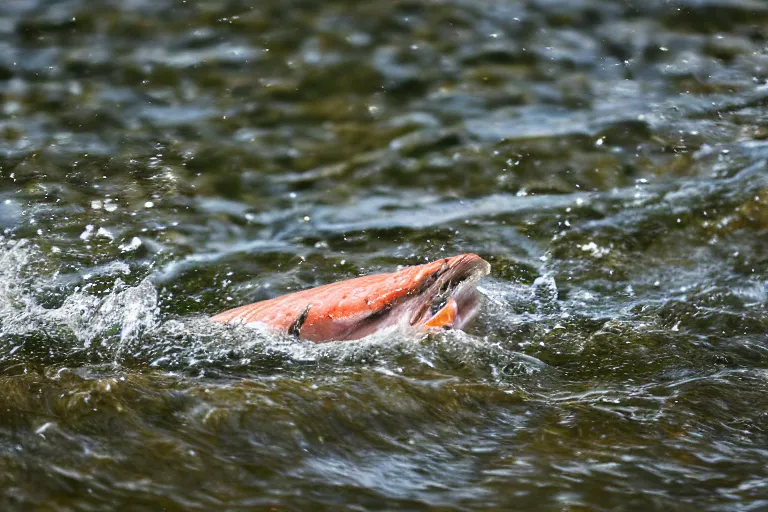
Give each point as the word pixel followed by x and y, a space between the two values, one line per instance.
pixel 440 294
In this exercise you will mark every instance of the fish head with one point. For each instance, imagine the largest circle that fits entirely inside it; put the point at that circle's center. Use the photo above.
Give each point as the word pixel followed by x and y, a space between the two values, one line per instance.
pixel 436 295
pixel 447 295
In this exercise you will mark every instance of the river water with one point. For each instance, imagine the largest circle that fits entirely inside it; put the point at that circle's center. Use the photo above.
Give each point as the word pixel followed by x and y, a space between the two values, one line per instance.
pixel 164 160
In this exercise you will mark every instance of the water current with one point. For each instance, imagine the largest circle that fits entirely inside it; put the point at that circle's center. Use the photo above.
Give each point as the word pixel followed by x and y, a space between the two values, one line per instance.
pixel 164 160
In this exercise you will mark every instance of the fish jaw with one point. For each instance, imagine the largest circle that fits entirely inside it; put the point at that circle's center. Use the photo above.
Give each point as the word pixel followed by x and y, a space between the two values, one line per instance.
pixel 353 309
pixel 455 289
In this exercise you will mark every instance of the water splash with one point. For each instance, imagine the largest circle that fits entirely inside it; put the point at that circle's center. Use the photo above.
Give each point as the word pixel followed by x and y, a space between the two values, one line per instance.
pixel 123 326
pixel 125 313
pixel 82 323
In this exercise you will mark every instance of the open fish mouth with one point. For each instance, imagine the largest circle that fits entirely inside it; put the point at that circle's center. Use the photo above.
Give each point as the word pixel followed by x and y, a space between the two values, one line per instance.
pixel 449 298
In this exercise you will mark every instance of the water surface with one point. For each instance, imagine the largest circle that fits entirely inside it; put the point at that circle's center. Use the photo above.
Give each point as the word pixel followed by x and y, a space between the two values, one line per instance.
pixel 162 161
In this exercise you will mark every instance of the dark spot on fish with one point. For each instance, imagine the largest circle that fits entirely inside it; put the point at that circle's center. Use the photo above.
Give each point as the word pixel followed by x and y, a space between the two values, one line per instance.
pixel 295 328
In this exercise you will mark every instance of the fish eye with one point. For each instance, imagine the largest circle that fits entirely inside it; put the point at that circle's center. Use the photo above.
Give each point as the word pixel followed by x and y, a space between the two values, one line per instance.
pixel 441 297
pixel 438 303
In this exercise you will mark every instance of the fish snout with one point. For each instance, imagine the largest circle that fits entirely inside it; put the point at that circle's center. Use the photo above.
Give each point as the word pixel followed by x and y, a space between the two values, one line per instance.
pixel 468 265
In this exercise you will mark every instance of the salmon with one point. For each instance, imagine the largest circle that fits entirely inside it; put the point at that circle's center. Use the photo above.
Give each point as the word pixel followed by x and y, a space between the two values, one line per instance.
pixel 436 295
